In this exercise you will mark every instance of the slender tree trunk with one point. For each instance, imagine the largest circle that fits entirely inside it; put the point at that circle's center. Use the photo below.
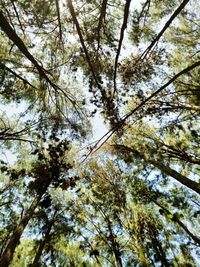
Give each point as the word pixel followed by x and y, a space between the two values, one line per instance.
pixel 43 243
pixel 182 225
pixel 176 175
pixel 163 168
pixel 14 240
pixel 74 18
pixel 115 245
pixel 159 250
pixel 179 222
pixel 118 259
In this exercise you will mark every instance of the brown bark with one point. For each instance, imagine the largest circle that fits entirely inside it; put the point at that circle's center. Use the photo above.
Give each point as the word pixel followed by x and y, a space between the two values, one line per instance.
pixel 14 240
pixel 102 16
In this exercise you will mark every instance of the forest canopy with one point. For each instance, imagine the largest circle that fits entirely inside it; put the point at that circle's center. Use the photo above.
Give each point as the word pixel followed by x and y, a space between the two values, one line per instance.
pixel 130 198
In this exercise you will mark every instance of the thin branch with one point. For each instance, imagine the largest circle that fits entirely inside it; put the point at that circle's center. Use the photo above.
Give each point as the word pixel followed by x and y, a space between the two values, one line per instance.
pixel 17 15
pixel 74 18
pixel 165 169
pixel 90 245
pixel 166 26
pixel 123 28
pixel 121 123
pixel 102 16
pixel 6 187
pixel 175 219
pixel 5 203
pixel 147 3
pixel 10 32
pixel 59 20
pixel 17 75
pixel 16 139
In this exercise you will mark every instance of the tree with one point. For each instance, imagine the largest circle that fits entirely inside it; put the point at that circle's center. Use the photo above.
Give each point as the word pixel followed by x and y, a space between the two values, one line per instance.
pixel 132 197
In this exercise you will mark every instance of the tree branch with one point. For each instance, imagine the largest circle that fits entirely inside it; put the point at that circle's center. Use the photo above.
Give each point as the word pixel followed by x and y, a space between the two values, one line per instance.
pixel 166 26
pixel 121 123
pixel 17 15
pixel 10 32
pixel 17 75
pixel 102 16
pixel 59 21
pixel 162 167
pixel 74 18
pixel 123 28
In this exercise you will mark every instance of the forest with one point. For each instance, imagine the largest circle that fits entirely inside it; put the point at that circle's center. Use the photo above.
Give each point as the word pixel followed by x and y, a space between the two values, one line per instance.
pixel 129 72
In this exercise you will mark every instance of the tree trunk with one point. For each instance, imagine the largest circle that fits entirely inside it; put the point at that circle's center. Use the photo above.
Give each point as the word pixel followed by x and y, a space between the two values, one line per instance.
pixel 115 245
pixel 163 168
pixel 14 240
pixel 175 219
pixel 159 250
pixel 43 243
pixel 176 175
pixel 118 258
pixel 181 224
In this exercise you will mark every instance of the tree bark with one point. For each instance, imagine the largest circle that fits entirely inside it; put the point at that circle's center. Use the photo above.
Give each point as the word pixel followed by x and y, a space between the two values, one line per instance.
pixel 43 243
pixel 75 20
pixel 159 250
pixel 14 240
pixel 115 245
pixel 176 175
pixel 12 35
pixel 176 219
pixel 163 168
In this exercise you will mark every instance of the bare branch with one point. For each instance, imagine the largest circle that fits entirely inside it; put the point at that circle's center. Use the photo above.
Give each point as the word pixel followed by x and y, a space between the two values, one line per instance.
pixel 59 21
pixel 17 75
pixel 166 26
pixel 121 123
pixel 102 16
pixel 15 9
pixel 74 18
pixel 10 32
pixel 123 28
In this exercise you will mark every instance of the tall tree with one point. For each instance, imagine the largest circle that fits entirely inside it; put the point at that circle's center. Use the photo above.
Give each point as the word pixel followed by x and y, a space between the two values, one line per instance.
pixel 130 198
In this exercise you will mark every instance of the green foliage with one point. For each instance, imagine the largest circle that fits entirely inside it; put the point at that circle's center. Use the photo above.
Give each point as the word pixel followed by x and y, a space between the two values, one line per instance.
pixel 24 253
pixel 131 198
